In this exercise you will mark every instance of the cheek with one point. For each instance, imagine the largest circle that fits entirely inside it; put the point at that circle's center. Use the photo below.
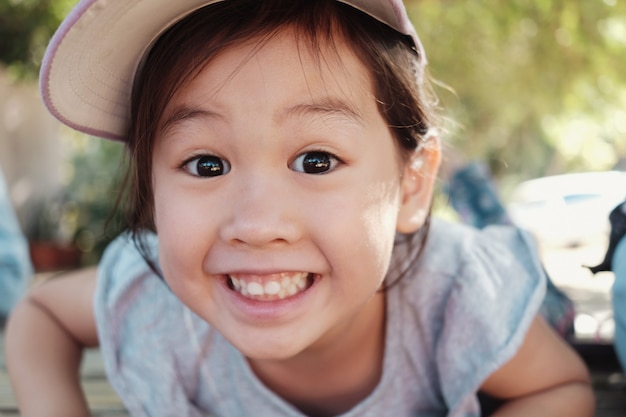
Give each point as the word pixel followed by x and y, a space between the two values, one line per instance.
pixel 380 211
pixel 364 234
pixel 177 206
pixel 379 220
pixel 178 229
pixel 168 211
pixel 172 253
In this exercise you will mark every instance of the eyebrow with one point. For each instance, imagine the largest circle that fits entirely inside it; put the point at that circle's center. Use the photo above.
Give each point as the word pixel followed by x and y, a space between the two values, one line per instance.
pixel 325 106
pixel 182 113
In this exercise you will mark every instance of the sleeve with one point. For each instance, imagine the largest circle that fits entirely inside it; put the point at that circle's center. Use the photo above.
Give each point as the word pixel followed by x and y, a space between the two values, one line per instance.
pixel 140 326
pixel 498 290
pixel 15 264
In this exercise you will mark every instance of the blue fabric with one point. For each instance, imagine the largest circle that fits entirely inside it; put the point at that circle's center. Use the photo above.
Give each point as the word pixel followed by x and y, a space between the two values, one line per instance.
pixel 15 265
pixel 474 197
pixel 618 293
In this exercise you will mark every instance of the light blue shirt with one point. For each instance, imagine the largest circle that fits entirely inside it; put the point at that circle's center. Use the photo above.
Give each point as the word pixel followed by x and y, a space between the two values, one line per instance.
pixel 15 265
pixel 458 314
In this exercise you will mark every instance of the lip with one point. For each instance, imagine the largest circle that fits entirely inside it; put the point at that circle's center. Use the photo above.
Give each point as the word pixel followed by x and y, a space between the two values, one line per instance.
pixel 268 311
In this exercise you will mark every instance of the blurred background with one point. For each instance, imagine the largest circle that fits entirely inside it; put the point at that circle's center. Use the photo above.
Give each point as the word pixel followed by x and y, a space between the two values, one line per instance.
pixel 61 182
pixel 533 88
pixel 537 90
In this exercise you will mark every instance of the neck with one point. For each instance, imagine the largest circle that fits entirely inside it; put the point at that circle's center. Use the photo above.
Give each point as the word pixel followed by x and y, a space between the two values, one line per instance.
pixel 331 379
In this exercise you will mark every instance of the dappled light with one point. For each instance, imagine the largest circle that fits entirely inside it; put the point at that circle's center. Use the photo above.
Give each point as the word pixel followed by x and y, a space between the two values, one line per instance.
pixel 537 88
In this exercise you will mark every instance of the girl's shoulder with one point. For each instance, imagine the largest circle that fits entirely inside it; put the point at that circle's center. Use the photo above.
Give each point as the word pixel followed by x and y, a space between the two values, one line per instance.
pixel 461 255
pixel 140 326
pixel 123 265
pixel 494 273
pixel 130 293
pixel 475 290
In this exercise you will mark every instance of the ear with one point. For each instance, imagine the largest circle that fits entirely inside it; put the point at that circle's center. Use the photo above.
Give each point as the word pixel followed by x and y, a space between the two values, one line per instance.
pixel 418 183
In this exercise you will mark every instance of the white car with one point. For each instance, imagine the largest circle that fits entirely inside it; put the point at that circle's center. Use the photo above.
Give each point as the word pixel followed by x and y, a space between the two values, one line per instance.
pixel 569 209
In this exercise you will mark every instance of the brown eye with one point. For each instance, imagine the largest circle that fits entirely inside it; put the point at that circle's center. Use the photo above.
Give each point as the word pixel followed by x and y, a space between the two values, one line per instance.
pixel 317 162
pixel 207 166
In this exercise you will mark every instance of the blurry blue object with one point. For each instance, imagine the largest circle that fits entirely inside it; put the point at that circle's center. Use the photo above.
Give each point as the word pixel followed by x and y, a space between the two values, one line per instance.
pixel 617 218
pixel 15 264
pixel 474 197
pixel 615 260
pixel 618 296
pixel 558 310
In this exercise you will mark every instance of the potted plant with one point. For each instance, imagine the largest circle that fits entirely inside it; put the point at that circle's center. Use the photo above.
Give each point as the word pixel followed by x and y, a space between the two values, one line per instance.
pixel 51 245
pixel 72 228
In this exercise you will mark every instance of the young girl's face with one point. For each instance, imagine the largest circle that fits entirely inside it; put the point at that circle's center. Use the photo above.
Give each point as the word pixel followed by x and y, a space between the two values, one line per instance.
pixel 277 188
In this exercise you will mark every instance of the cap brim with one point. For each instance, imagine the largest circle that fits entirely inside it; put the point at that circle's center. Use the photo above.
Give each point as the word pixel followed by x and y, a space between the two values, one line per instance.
pixel 90 64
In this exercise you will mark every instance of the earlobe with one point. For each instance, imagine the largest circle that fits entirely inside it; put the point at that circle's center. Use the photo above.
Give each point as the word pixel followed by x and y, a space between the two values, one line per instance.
pixel 418 183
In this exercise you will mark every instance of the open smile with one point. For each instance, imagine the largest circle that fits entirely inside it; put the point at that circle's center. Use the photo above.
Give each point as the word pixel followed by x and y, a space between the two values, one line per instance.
pixel 271 287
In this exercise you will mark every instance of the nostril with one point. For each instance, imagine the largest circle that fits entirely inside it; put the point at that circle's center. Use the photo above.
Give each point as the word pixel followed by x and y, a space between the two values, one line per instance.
pixel 260 233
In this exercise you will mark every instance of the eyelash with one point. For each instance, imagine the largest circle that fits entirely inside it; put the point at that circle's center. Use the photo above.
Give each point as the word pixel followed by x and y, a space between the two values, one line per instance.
pixel 214 166
pixel 331 159
pixel 218 165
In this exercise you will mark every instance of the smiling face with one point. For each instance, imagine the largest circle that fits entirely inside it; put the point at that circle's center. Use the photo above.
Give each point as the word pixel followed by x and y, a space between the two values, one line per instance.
pixel 277 188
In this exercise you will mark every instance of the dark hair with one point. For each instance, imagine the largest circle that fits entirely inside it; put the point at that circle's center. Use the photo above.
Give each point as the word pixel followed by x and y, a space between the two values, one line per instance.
pixel 403 95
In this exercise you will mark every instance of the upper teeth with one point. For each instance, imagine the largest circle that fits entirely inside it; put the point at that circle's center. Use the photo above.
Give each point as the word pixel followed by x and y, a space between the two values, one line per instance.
pixel 278 286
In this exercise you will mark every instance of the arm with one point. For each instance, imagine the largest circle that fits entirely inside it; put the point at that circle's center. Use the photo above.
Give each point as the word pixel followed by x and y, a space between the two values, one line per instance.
pixel 545 378
pixel 45 337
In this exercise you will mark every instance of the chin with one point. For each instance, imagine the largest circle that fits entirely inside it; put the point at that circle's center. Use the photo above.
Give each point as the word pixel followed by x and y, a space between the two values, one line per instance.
pixel 269 348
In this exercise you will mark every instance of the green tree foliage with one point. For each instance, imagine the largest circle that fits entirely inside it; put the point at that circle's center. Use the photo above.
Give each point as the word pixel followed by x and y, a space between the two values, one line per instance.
pixel 535 87
pixel 25 28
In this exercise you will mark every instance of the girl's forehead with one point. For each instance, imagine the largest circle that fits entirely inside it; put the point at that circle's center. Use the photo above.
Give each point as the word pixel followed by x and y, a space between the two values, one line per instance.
pixel 315 51
pixel 278 82
pixel 316 67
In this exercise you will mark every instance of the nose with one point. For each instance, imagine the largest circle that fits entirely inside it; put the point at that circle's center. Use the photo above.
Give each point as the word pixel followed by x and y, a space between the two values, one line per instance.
pixel 262 214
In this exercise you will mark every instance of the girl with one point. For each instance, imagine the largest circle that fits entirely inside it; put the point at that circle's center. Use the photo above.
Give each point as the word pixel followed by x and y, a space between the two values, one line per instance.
pixel 283 152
